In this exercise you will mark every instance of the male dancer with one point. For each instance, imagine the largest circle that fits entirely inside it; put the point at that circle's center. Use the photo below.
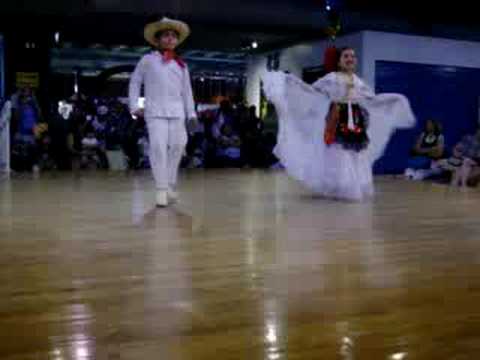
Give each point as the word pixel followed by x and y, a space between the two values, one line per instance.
pixel 168 103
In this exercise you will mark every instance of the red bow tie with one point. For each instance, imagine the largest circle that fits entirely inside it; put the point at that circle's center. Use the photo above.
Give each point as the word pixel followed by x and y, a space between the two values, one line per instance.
pixel 169 55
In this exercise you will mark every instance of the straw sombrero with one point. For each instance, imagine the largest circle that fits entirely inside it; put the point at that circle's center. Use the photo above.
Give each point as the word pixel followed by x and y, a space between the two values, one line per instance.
pixel 153 28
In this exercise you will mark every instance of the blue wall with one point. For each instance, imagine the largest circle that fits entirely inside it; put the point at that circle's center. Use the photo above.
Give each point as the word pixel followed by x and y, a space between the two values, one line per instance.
pixel 447 94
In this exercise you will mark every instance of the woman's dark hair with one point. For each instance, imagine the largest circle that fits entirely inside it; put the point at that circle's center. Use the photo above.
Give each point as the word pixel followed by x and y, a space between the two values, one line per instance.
pixel 437 126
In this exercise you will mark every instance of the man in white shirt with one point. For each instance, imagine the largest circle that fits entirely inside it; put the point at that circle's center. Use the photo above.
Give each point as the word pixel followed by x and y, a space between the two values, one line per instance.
pixel 168 102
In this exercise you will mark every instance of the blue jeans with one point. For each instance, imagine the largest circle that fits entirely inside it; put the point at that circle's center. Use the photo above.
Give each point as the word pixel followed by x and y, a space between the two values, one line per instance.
pixel 419 163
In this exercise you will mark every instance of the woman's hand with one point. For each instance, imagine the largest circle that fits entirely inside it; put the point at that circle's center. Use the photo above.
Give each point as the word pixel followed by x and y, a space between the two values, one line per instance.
pixel 139 113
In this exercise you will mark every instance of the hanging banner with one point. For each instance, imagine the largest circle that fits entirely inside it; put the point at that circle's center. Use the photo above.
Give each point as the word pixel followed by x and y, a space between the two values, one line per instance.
pixel 28 79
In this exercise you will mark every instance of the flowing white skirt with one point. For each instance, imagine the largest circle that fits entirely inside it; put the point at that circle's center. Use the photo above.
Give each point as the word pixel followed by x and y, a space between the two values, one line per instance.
pixel 330 171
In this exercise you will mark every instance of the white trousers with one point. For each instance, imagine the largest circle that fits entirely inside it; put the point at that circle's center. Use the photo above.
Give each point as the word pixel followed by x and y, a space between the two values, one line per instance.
pixel 168 138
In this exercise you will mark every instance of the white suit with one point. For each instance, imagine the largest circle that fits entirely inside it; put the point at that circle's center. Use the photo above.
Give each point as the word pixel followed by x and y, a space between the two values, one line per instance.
pixel 168 104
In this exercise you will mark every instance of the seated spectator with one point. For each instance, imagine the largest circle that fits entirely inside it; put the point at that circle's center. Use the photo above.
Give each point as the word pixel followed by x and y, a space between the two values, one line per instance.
pixel 144 146
pixel 90 149
pixel 195 160
pixel 98 125
pixel 25 117
pixel 43 146
pixel 78 120
pixel 253 149
pixel 465 154
pixel 224 115
pixel 429 147
pixel 228 148
pixel 468 173
pixel 61 135
pixel 131 144
pixel 462 172
pixel 196 146
pixel 207 118
pixel 115 122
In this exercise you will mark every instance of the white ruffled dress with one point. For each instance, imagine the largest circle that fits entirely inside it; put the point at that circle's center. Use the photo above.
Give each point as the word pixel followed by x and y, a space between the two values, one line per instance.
pixel 331 170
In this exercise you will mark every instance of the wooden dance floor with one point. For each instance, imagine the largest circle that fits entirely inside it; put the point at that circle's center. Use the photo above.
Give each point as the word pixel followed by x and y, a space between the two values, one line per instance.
pixel 247 266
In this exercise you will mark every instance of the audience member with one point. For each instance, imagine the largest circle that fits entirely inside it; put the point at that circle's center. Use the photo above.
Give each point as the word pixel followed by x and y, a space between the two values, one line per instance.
pixel 429 147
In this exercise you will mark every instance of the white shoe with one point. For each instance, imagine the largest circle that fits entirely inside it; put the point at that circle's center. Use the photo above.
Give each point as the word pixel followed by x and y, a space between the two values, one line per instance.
pixel 419 175
pixel 162 199
pixel 172 195
pixel 409 173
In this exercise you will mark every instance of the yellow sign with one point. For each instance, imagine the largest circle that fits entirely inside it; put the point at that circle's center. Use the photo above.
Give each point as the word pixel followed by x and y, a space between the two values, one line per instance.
pixel 28 79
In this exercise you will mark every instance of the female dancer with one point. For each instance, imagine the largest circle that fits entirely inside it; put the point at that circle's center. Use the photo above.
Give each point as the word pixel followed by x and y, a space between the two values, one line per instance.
pixel 331 133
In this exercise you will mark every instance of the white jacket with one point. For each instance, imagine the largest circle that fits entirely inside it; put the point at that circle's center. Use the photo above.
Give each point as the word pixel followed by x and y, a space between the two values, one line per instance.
pixel 168 90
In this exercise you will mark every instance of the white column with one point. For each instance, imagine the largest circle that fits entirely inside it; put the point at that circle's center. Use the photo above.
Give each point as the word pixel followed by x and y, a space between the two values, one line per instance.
pixel 5 115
